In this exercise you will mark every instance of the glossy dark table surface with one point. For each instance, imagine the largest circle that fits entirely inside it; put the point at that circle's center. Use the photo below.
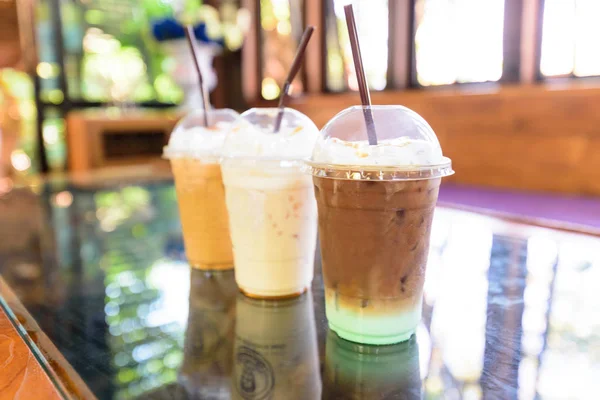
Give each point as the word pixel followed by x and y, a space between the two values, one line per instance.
pixel 511 311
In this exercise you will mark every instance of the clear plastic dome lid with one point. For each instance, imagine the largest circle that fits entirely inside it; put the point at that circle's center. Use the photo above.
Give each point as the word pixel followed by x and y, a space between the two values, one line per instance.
pixel 406 146
pixel 190 138
pixel 255 137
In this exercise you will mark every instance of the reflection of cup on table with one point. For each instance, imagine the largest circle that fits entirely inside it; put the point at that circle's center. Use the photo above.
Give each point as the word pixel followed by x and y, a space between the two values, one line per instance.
pixel 194 152
pixel 376 205
pixel 356 371
pixel 208 346
pixel 272 209
pixel 276 354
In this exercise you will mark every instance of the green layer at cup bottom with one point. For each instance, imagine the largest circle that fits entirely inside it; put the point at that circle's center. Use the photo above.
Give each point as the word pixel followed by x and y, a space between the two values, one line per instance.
pixel 373 329
pixel 374 340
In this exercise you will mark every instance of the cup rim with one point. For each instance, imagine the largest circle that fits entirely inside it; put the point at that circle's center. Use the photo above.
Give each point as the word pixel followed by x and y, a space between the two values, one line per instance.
pixel 203 156
pixel 380 172
pixel 257 160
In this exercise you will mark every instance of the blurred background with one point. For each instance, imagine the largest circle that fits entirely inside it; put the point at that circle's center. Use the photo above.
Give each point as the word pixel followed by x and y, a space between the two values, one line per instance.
pixel 86 84
pixel 511 88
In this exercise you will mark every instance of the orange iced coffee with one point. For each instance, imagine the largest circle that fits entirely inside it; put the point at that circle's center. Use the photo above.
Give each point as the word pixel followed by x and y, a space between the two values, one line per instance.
pixel 194 152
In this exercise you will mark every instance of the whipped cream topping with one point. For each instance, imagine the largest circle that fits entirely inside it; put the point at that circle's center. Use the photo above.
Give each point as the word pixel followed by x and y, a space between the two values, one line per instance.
pixel 401 151
pixel 198 141
pixel 295 139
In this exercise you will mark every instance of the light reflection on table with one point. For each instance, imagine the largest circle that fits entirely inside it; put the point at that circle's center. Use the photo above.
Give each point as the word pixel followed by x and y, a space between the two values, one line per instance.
pixel 511 311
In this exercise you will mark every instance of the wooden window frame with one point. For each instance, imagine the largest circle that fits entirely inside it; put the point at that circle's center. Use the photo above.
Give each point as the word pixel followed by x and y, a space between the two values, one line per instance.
pixel 251 54
pixel 520 51
pixel 312 75
pixel 522 43
pixel 315 72
pixel 401 60
pixel 398 62
pixel 323 33
pixel 531 41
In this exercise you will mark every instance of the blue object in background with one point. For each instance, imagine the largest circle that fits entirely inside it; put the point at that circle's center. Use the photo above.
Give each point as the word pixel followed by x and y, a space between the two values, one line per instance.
pixel 174 248
pixel 170 29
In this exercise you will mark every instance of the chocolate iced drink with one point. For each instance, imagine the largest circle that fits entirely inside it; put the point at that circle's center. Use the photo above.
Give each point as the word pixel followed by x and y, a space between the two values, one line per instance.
pixel 375 204
pixel 386 272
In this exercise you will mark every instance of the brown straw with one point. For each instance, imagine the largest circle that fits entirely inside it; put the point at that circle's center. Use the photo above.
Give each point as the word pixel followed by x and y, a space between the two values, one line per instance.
pixel 189 34
pixel 363 87
pixel 296 64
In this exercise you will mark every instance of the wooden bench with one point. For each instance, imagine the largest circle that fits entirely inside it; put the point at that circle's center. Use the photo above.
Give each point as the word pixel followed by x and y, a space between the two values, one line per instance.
pixel 99 138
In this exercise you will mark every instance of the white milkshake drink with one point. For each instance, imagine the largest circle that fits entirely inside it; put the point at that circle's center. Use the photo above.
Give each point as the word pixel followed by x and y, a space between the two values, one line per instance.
pixel 271 204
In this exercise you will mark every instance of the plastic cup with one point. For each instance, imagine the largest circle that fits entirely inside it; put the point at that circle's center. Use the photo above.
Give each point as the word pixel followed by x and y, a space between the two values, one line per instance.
pixel 194 152
pixel 208 346
pixel 376 205
pixel 355 371
pixel 271 204
pixel 276 354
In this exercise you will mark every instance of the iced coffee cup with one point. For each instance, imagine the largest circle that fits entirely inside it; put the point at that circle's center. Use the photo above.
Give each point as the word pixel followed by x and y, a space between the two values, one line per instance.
pixel 376 204
pixel 194 151
pixel 271 204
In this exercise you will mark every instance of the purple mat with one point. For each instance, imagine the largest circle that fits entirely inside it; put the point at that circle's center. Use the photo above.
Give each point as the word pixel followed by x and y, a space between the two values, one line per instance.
pixel 555 210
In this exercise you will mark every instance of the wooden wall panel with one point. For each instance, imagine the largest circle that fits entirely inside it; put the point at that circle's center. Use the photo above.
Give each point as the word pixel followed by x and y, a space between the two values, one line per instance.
pixel 541 138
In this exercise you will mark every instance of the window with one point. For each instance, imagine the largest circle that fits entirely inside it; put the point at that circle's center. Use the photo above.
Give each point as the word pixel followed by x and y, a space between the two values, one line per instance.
pixel 282 27
pixel 416 43
pixel 458 41
pixel 92 52
pixel 373 26
pixel 570 38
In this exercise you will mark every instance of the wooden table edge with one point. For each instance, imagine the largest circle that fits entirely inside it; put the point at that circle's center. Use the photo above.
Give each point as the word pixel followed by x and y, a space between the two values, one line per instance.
pixel 54 364
pixel 21 373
